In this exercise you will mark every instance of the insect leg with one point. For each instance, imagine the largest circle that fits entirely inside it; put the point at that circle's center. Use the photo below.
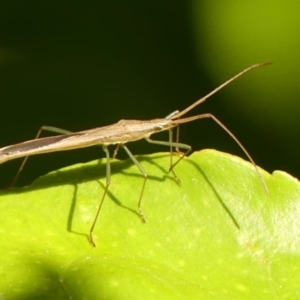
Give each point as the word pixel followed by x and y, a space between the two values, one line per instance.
pixel 116 151
pixel 108 173
pixel 186 147
pixel 169 117
pixel 43 128
pixel 208 115
pixel 145 179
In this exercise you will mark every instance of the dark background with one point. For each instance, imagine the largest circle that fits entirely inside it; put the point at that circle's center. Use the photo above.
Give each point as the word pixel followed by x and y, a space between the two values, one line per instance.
pixel 84 64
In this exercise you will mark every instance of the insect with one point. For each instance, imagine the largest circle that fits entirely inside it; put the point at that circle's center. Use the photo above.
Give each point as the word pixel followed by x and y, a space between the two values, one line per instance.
pixel 119 134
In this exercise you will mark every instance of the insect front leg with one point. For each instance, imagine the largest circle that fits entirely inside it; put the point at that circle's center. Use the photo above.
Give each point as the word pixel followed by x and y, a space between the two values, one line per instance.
pixel 172 144
pixel 169 117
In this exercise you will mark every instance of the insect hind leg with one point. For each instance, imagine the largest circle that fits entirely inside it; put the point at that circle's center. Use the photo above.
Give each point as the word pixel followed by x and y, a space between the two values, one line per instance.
pixel 43 128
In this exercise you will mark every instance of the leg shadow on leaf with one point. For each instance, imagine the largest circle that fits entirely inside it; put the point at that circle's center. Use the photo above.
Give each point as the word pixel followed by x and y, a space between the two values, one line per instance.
pixel 224 206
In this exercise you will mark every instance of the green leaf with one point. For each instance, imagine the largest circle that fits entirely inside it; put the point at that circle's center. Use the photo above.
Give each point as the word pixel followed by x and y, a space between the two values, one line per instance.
pixel 216 236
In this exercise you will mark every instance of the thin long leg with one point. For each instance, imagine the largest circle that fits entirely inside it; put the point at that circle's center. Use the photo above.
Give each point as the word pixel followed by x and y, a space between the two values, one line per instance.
pixel 108 181
pixel 169 117
pixel 108 174
pixel 172 114
pixel 43 128
pixel 145 179
pixel 177 138
pixel 116 151
pixel 172 154
pixel 171 148
pixel 188 149
pixel 208 115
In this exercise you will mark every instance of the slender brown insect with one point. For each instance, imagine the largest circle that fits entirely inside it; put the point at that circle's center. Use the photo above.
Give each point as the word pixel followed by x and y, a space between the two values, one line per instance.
pixel 121 133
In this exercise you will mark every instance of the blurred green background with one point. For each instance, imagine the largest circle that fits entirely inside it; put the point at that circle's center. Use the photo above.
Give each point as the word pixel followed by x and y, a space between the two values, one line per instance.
pixel 84 64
